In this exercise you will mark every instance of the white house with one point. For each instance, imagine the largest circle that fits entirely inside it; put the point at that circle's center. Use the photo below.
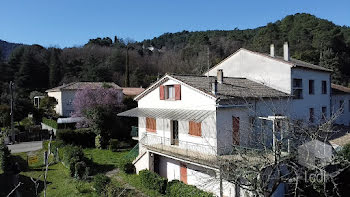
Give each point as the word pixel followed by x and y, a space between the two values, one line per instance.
pixel 65 95
pixel 186 122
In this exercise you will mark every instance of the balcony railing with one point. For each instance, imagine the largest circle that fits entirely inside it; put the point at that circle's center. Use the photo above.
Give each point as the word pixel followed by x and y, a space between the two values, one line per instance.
pixel 186 150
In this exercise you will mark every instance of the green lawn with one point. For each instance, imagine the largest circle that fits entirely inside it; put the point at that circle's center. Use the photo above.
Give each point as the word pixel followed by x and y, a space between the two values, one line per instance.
pixel 61 184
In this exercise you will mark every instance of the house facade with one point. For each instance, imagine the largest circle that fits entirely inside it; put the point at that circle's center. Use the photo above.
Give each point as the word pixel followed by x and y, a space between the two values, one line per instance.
pixel 65 95
pixel 186 122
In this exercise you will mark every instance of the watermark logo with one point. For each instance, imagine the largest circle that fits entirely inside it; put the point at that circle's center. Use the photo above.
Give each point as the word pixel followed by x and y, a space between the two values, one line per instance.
pixel 314 156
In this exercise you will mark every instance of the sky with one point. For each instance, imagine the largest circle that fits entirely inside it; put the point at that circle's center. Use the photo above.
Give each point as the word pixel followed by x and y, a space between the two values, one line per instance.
pixel 68 23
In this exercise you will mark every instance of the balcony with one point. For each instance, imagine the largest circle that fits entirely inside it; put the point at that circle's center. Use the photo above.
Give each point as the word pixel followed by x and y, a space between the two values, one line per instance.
pixel 134 133
pixel 194 152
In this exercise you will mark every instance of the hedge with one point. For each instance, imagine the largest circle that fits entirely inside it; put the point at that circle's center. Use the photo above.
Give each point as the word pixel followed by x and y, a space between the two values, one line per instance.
pixel 79 137
pixel 50 122
pixel 153 181
pixel 177 188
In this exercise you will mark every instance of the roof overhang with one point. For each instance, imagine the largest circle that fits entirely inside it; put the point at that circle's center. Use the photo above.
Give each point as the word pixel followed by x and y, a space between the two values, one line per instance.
pixel 171 114
pixel 69 120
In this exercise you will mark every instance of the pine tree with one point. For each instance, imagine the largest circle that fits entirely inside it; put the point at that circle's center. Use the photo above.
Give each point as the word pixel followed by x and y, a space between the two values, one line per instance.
pixel 55 66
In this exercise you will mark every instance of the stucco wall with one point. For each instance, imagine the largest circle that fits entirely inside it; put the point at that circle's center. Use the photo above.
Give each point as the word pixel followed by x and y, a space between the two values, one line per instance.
pixel 344 117
pixel 275 74
pixel 300 107
pixel 190 99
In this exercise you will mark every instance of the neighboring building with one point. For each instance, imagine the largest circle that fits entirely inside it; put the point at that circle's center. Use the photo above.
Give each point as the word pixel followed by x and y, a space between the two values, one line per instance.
pixel 132 92
pixel 65 94
pixel 341 104
pixel 310 84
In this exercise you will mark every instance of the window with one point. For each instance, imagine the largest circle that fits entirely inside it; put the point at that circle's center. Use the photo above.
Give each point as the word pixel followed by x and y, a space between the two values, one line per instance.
pixel 349 105
pixel 324 113
pixel 195 128
pixel 311 87
pixel 324 87
pixel 298 88
pixel 311 115
pixel 341 106
pixel 151 125
pixel 169 92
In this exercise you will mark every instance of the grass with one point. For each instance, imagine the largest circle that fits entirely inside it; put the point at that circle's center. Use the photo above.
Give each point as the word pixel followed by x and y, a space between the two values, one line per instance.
pixel 61 184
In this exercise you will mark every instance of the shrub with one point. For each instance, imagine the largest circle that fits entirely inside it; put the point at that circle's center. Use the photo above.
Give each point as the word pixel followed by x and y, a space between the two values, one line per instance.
pixel 70 155
pixel 100 182
pixel 177 188
pixel 153 181
pixel 50 122
pixel 81 170
pixel 79 137
pixel 127 166
pixel 113 145
pixel 346 151
pixel 5 158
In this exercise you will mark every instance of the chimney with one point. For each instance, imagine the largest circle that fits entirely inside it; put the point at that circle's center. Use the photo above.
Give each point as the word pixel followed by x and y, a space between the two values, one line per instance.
pixel 214 87
pixel 272 50
pixel 286 52
pixel 220 76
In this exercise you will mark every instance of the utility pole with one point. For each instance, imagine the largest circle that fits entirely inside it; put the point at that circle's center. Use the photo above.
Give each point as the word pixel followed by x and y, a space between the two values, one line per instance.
pixel 127 80
pixel 12 128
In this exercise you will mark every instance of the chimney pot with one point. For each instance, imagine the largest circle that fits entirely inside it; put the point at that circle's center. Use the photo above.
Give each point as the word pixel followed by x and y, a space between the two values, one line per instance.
pixel 220 76
pixel 272 50
pixel 214 87
pixel 286 52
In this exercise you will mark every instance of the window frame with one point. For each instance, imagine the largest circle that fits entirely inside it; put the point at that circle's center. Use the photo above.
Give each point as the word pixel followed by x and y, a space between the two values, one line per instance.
pixel 298 87
pixel 166 93
pixel 324 87
pixel 311 87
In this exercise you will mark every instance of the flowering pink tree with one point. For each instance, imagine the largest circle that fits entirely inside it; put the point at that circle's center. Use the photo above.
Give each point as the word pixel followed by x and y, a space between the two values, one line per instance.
pixel 89 97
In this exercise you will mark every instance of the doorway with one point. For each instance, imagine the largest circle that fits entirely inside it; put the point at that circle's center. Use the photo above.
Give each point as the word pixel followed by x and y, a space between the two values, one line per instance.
pixel 174 132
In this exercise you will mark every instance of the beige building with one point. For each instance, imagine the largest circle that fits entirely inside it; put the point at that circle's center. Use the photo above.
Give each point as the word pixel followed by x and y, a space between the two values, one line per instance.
pixel 65 95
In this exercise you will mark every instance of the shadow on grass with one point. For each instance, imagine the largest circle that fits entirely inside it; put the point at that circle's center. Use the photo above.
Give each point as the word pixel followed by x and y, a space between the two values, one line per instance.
pixel 101 168
pixel 8 183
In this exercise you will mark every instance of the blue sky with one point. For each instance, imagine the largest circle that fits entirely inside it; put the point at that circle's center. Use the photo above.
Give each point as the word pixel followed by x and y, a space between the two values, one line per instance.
pixel 66 23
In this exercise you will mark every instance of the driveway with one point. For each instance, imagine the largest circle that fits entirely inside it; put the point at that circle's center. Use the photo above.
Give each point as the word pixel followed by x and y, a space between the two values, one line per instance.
pixel 26 147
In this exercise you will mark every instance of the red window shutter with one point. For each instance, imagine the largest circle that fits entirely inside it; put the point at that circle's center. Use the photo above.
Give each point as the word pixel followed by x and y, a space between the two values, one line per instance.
pixel 183 173
pixel 161 92
pixel 151 124
pixel 195 128
pixel 235 129
pixel 177 92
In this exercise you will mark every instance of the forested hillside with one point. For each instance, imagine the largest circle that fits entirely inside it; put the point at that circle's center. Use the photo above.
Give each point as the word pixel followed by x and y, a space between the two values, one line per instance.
pixel 310 39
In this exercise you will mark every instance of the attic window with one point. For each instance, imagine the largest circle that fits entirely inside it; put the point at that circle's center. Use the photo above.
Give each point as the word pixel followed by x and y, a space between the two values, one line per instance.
pixel 170 92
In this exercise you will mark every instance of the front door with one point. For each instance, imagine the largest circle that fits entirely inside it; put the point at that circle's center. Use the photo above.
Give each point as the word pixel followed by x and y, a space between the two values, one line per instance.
pixel 183 173
pixel 235 129
pixel 174 132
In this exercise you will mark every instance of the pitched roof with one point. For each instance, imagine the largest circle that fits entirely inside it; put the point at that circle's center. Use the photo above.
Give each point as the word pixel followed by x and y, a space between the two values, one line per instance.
pixel 231 87
pixel 82 85
pixel 132 91
pixel 338 89
pixel 293 62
